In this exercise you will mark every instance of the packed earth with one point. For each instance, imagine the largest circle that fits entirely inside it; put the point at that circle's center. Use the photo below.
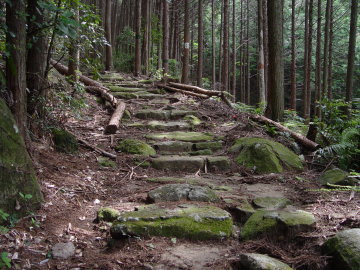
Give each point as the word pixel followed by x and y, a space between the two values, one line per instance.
pixel 194 185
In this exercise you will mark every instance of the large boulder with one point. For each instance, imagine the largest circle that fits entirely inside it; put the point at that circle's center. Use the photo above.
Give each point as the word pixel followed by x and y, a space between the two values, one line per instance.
pixel 17 174
pixel 185 221
pixel 345 249
pixel 335 176
pixel 254 261
pixel 64 141
pixel 265 156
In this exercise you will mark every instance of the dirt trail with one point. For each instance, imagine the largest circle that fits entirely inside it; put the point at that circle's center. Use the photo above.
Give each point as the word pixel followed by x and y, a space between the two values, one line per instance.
pixel 76 186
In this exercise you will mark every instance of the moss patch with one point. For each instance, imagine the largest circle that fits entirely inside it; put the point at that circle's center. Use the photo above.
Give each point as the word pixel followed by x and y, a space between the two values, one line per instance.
pixel 64 141
pixel 265 156
pixel 192 120
pixel 208 145
pixel 106 162
pixel 271 202
pixel 16 168
pixel 335 177
pixel 187 221
pixel 257 225
pixel 107 214
pixel 132 146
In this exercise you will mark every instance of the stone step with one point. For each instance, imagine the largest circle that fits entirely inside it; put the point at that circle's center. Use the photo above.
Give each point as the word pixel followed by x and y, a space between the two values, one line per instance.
pixel 160 125
pixel 182 136
pixel 117 89
pixel 184 221
pixel 112 76
pixel 136 95
pixel 190 163
pixel 187 148
pixel 149 114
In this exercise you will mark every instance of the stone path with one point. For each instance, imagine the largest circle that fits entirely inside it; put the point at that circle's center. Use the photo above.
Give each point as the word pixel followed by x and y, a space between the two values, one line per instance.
pixel 191 200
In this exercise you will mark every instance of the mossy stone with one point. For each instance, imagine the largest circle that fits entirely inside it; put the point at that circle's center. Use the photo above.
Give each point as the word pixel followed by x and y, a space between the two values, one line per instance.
pixel 244 210
pixel 255 261
pixel 64 141
pixel 271 203
pixel 153 114
pixel 181 136
pixel 265 156
pixel 218 163
pixel 192 120
pixel 173 146
pixel 276 222
pixel 178 163
pixel 208 145
pixel 344 248
pixel 167 126
pixel 335 177
pixel 137 147
pixel 115 88
pixel 205 152
pixel 125 95
pixel 178 192
pixel 16 169
pixel 107 214
pixel 106 162
pixel 185 221
pixel 192 181
pixel 112 77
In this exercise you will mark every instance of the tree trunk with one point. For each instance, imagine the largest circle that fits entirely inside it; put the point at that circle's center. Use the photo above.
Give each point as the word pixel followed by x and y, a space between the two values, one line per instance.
pixel 225 49
pixel 16 61
pixel 74 52
pixel 326 48
pixel 137 70
pixel 213 43
pixel 115 119
pixel 293 57
pixel 330 63
pixel 351 51
pixel 261 67
pixel 165 55
pixel 275 108
pixel 307 88
pixel 200 44
pixel 233 64
pixel 36 59
pixel 248 70
pixel 185 67
pixel 306 60
pixel 108 50
pixel 318 62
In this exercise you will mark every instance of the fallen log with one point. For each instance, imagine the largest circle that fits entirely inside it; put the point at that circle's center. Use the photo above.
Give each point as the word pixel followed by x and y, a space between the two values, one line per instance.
pixel 196 89
pixel 92 85
pixel 189 93
pixel 115 118
pixel 297 137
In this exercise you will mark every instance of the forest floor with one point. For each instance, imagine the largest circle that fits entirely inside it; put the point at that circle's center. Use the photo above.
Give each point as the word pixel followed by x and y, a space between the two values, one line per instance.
pixel 76 186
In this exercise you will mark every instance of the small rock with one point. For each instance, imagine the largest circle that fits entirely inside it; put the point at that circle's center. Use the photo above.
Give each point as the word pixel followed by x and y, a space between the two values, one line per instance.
pixel 335 177
pixel 63 250
pixel 271 203
pixel 107 214
pixel 254 261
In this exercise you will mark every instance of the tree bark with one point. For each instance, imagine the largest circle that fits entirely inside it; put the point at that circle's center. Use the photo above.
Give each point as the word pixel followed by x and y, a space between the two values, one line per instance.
pixel 275 108
pixel 16 61
pixel 261 64
pixel 137 70
pixel 213 44
pixel 74 52
pixel 186 50
pixel 108 49
pixel 293 57
pixel 233 63
pixel 330 62
pixel 115 119
pixel 326 49
pixel 200 44
pixel 318 62
pixel 165 55
pixel 225 48
pixel 351 51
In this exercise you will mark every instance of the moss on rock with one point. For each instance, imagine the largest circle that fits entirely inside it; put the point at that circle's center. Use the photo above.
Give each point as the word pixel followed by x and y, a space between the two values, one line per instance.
pixel 265 156
pixel 137 147
pixel 335 177
pixel 254 261
pixel 64 141
pixel 106 162
pixel 107 214
pixel 182 136
pixel 192 120
pixel 186 221
pixel 16 168
pixel 270 203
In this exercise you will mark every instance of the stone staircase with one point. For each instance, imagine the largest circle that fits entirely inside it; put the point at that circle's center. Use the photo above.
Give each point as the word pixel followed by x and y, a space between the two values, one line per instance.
pixel 186 205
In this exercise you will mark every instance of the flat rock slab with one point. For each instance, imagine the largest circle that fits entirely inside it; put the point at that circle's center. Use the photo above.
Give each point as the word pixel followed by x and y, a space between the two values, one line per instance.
pixel 182 180
pixel 149 114
pixel 345 249
pixel 173 147
pixel 276 223
pixel 271 203
pixel 112 77
pixel 254 261
pixel 136 95
pixel 218 163
pixel 178 163
pixel 63 250
pixel 182 136
pixel 185 221
pixel 160 125
pixel 178 192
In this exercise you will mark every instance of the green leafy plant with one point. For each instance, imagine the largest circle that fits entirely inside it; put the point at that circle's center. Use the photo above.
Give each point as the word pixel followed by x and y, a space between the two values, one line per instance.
pixel 5 261
pixel 3 218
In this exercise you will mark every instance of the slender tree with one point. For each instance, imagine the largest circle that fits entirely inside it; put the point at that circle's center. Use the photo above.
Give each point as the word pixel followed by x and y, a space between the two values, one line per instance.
pixel 225 48
pixel 108 50
pixel 200 43
pixel 275 107
pixel 326 48
pixel 74 51
pixel 185 67
pixel 233 63
pixel 165 55
pixel 16 60
pixel 318 60
pixel 351 51
pixel 261 66
pixel 213 43
pixel 330 61
pixel 137 70
pixel 293 57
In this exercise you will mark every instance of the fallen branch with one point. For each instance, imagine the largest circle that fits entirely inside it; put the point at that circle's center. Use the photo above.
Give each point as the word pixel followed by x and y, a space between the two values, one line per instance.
pixel 92 85
pixel 115 118
pixel 97 149
pixel 298 137
pixel 189 93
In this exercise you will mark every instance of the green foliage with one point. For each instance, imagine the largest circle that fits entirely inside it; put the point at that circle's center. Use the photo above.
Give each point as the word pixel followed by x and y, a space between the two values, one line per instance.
pixel 4 260
pixel 124 61
pixel 3 218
